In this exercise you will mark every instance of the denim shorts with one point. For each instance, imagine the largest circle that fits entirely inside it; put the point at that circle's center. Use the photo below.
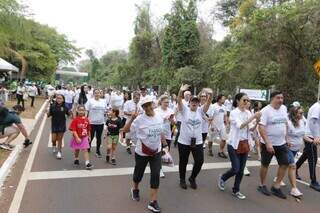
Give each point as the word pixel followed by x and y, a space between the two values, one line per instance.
pixel 291 156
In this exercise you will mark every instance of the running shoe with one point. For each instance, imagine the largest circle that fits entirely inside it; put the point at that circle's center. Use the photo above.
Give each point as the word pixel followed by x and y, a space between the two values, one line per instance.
pixel 113 161
pixel 5 147
pixel 239 195
pixel 107 158
pixel 54 149
pixel 154 207
pixel 264 190
pixel 221 183
pixel 135 194
pixel 162 174
pixel 129 150
pixel 59 155
pixel 246 171
pixel 10 146
pixel 281 183
pixel 222 155
pixel 26 143
pixel 278 193
pixel 315 186
pixel 183 185
pixel 76 162
pixel 193 183
pixel 210 153
pixel 98 155
pixel 89 166
pixel 295 192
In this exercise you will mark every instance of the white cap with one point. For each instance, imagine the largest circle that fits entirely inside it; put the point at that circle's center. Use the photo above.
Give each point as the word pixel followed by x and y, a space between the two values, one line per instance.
pixel 296 104
pixel 147 99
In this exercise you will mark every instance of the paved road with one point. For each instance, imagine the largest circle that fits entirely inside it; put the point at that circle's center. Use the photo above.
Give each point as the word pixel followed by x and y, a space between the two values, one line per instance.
pixel 40 183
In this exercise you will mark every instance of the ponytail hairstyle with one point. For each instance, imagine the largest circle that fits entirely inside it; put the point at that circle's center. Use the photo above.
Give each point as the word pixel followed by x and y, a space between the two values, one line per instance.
pixel 237 98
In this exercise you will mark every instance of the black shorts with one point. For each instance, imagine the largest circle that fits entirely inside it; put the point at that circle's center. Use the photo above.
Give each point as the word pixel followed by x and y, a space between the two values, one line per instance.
pixel 58 129
pixel 281 153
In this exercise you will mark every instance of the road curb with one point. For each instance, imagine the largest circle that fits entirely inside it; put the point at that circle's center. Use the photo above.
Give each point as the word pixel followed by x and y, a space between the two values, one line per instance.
pixel 11 160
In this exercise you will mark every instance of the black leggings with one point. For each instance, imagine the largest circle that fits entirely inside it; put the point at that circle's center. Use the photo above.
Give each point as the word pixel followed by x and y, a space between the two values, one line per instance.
pixel 184 152
pixel 32 100
pixel 20 100
pixel 310 153
pixel 155 166
pixel 178 125
pixel 96 130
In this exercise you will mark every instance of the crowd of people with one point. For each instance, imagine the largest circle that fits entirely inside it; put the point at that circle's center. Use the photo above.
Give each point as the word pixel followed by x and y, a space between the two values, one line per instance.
pixel 156 124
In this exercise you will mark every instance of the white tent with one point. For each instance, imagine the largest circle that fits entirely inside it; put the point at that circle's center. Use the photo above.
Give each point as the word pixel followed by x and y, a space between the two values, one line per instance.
pixel 6 66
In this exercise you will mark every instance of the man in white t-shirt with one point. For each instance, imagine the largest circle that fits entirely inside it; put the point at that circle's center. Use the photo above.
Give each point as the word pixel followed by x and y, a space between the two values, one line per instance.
pixel 130 108
pixel 217 129
pixel 228 103
pixel 273 129
pixel 185 101
pixel 69 96
pixel 310 149
pixel 32 92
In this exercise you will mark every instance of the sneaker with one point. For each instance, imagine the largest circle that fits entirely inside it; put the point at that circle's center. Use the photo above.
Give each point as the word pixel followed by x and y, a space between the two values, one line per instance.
pixel 107 158
pixel 113 161
pixel 278 193
pixel 264 190
pixel 239 195
pixel 281 183
pixel 5 147
pixel 154 207
pixel 204 145
pixel 246 171
pixel 183 185
pixel 193 183
pixel 210 153
pixel 295 192
pixel 76 162
pixel 315 186
pixel 98 155
pixel 11 146
pixel 27 143
pixel 162 174
pixel 222 155
pixel 221 183
pixel 59 155
pixel 135 194
pixel 89 166
pixel 129 150
pixel 54 149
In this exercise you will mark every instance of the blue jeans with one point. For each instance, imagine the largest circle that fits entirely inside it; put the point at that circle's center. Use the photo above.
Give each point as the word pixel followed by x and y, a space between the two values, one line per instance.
pixel 238 163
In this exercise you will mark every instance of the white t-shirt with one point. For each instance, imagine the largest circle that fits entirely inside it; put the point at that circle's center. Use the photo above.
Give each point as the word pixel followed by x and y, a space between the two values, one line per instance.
pixel 179 115
pixel 218 113
pixel 69 95
pixel 205 124
pixel 21 90
pixel 313 116
pixel 237 118
pixel 228 105
pixel 59 92
pixel 107 97
pixel 32 91
pixel 275 123
pixel 191 126
pixel 295 135
pixel 96 111
pixel 129 107
pixel 148 130
pixel 165 115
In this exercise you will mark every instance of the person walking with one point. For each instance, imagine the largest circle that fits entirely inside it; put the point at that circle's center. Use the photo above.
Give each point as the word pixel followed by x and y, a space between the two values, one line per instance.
pixel 80 128
pixel 310 152
pixel 58 112
pixel 273 130
pixel 190 139
pixel 21 91
pixel 32 92
pixel 147 128
pixel 238 143
pixel 97 109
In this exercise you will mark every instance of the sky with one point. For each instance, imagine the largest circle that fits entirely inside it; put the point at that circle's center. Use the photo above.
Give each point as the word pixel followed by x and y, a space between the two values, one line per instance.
pixel 104 25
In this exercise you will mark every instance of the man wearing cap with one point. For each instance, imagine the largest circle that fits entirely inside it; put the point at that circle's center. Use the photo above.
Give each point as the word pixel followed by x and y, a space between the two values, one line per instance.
pixel 11 126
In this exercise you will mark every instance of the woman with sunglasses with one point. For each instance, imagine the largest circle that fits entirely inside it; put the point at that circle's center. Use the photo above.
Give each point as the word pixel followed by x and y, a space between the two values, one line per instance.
pixel 190 139
pixel 238 143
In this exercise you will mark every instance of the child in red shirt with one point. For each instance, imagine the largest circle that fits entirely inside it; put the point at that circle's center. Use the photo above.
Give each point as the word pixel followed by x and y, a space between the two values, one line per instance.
pixel 80 127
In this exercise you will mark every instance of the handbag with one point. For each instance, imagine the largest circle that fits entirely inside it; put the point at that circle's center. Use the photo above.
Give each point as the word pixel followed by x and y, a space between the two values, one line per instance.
pixel 147 150
pixel 25 96
pixel 243 147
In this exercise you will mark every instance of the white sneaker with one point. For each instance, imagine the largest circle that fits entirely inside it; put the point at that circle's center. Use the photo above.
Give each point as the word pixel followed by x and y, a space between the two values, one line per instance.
pixel 281 184
pixel 239 195
pixel 246 171
pixel 59 155
pixel 162 174
pixel 295 192
pixel 54 149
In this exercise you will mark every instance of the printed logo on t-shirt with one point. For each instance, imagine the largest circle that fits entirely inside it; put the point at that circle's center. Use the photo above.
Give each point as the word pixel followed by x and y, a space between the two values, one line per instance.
pixel 195 123
pixel 280 120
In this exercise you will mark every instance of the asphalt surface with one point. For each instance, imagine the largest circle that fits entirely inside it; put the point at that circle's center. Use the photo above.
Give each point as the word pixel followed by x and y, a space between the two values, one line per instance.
pixel 57 186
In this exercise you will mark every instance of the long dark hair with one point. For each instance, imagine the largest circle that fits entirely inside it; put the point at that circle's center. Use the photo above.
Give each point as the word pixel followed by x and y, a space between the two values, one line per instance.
pixel 293 112
pixel 82 96
pixel 237 98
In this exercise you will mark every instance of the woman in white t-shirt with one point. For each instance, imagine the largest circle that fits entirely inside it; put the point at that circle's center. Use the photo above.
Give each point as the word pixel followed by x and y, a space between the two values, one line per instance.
pixel 147 129
pixel 190 139
pixel 96 108
pixel 238 143
pixel 21 91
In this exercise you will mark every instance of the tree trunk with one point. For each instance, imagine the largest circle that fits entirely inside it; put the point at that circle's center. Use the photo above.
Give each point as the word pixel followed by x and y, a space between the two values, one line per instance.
pixel 24 63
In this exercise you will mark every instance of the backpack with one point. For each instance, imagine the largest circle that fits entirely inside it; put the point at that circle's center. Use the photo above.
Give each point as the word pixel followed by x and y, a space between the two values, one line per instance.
pixel 3 114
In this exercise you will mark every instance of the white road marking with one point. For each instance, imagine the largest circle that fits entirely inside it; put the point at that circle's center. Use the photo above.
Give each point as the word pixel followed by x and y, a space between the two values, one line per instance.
pixel 303 182
pixel 16 202
pixel 122 171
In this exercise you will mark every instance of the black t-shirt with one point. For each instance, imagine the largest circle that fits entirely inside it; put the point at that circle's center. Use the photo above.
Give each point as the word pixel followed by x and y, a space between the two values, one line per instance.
pixel 58 114
pixel 114 126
